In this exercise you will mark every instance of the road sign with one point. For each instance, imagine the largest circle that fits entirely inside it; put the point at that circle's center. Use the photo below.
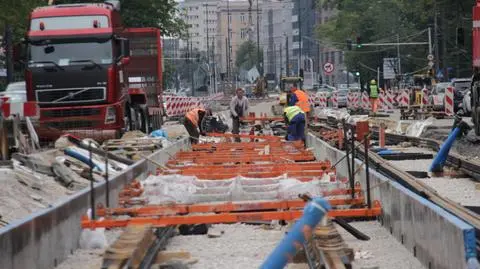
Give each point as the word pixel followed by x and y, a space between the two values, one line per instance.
pixel 390 67
pixel 328 68
pixel 430 57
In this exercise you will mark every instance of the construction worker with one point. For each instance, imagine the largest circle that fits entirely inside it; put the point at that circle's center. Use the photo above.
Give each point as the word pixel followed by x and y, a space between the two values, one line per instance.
pixel 192 123
pixel 373 93
pixel 295 118
pixel 299 98
pixel 238 109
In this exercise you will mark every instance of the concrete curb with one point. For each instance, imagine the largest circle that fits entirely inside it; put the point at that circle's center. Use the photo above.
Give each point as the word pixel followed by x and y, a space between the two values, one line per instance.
pixel 435 237
pixel 44 239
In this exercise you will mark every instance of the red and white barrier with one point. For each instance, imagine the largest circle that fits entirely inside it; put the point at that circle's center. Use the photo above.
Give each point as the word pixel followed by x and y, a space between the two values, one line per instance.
pixel 389 98
pixel 381 100
pixel 27 109
pixel 334 99
pixel 312 99
pixel 403 98
pixel 351 100
pixel 322 100
pixel 425 96
pixel 179 105
pixel 365 101
pixel 449 105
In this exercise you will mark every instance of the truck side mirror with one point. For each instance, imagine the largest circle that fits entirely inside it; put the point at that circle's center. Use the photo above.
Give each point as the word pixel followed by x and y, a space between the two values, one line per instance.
pixel 125 47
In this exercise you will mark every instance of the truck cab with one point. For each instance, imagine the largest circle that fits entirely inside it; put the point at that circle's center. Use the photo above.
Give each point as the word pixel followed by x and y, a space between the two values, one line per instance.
pixel 75 60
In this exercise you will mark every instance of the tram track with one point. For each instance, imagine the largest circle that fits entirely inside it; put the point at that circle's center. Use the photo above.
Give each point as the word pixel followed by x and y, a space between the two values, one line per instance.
pixel 407 180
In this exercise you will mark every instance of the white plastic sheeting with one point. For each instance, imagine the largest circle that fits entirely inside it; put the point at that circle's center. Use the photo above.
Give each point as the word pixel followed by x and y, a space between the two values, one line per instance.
pixel 339 114
pixel 188 189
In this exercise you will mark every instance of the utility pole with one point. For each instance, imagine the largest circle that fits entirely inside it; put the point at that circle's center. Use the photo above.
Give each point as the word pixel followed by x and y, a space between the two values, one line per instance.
pixel 274 59
pixel 226 57
pixel 435 37
pixel 228 39
pixel 444 48
pixel 299 35
pixel 9 52
pixel 281 61
pixel 208 40
pixel 287 68
pixel 214 68
pixel 191 73
pixel 258 43
pixel 398 55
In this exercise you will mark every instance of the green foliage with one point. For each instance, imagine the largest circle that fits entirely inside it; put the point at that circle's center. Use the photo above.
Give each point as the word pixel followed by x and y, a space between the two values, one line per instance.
pixel 247 55
pixel 144 13
pixel 382 20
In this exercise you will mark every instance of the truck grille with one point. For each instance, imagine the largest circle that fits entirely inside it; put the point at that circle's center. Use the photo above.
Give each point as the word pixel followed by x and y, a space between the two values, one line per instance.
pixel 71 96
pixel 81 112
pixel 65 125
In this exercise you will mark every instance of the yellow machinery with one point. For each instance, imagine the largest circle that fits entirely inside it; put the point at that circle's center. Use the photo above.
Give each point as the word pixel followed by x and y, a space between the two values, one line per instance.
pixel 286 83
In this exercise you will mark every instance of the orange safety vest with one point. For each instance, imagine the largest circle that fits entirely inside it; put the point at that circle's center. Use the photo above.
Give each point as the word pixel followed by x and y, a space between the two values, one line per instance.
pixel 192 115
pixel 302 100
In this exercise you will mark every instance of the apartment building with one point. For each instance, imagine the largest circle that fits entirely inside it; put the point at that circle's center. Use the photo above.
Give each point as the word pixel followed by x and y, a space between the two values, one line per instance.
pixel 276 31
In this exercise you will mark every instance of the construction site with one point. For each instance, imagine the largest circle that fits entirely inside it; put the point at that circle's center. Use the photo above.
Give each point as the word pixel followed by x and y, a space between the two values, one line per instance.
pixel 162 202
pixel 101 168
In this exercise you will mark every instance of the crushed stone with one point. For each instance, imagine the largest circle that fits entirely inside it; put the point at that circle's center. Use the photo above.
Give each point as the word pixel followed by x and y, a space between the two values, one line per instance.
pixel 382 250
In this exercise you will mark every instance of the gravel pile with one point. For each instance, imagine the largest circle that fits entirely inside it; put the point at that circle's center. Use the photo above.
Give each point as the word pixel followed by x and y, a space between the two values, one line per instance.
pixel 460 190
pixel 246 246
pixel 240 247
pixel 382 251
pixel 18 200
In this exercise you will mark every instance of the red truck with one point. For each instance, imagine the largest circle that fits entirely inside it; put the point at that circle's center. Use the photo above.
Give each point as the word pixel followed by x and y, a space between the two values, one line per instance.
pixel 90 76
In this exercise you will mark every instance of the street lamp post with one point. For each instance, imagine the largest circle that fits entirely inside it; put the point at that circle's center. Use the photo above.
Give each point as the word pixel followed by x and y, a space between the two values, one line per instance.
pixel 258 43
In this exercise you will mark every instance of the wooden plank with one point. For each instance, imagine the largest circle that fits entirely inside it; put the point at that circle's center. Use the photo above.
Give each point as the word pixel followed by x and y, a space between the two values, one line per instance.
pixel 165 256
pixel 130 247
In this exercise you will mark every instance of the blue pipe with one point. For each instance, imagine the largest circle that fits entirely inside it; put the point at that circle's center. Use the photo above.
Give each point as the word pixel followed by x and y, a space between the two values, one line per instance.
pixel 313 212
pixel 439 161
pixel 387 152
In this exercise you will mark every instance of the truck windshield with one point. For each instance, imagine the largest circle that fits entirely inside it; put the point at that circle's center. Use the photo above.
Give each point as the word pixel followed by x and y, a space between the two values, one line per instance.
pixel 70 53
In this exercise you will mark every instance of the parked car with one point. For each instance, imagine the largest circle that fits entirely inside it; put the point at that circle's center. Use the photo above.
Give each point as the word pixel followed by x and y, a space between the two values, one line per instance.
pixel 16 92
pixel 437 96
pixel 342 97
pixel 461 87
pixel 325 89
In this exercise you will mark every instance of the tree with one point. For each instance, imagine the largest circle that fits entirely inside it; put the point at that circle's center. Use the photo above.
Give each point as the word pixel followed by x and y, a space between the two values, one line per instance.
pixel 145 13
pixel 247 56
pixel 383 21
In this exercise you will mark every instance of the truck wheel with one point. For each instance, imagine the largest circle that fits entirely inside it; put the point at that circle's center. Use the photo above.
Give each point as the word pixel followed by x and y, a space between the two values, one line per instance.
pixel 129 122
pixel 143 120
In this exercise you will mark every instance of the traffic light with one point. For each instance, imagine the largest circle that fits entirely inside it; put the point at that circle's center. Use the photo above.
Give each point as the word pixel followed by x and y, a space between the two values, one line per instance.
pixel 301 72
pixel 357 74
pixel 359 41
pixel 349 44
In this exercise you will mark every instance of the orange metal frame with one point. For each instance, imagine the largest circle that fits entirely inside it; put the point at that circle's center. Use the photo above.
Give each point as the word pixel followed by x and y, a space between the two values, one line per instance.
pixel 248 145
pixel 264 137
pixel 226 217
pixel 161 210
pixel 253 118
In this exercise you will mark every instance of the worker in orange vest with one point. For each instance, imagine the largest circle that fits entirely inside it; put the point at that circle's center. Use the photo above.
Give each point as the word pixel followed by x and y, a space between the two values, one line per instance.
pixel 300 98
pixel 192 123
